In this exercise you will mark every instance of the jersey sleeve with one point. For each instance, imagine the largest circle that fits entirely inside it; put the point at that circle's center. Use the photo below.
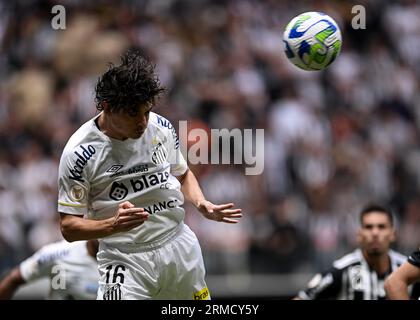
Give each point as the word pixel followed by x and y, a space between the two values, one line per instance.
pixel 175 158
pixel 323 286
pixel 41 262
pixel 73 185
pixel 414 258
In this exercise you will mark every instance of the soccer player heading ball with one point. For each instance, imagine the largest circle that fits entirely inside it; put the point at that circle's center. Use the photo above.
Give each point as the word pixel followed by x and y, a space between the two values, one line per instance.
pixel 124 171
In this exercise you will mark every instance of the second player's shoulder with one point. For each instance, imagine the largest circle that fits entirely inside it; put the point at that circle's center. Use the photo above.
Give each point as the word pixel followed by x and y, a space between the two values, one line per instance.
pixel 63 250
pixel 348 260
pixel 54 251
pixel 397 257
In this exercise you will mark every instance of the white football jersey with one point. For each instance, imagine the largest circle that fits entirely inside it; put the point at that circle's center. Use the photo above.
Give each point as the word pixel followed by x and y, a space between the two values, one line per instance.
pixel 97 173
pixel 73 272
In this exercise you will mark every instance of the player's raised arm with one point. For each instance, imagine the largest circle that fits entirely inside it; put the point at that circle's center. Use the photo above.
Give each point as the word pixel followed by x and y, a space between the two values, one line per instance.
pixel 192 192
pixel 397 284
pixel 127 217
pixel 10 283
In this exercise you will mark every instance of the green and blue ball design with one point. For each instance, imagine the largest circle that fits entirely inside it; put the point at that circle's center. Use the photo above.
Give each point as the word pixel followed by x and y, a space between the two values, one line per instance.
pixel 312 41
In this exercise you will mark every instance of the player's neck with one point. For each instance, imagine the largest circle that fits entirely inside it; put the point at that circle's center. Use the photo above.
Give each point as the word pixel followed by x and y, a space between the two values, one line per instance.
pixel 379 263
pixel 104 124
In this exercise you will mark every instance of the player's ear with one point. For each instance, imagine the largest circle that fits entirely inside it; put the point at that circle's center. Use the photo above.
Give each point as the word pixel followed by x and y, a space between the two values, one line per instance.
pixel 359 236
pixel 105 106
pixel 393 235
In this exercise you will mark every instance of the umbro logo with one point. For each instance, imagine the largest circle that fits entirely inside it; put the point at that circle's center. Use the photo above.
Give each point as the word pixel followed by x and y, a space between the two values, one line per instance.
pixel 114 168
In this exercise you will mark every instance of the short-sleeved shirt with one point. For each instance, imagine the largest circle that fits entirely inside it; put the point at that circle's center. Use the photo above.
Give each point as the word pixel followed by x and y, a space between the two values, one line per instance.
pixel 97 173
pixel 72 271
pixel 351 278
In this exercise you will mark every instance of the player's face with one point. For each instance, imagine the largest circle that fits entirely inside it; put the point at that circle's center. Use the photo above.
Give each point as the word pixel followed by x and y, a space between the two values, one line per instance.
pixel 131 126
pixel 376 233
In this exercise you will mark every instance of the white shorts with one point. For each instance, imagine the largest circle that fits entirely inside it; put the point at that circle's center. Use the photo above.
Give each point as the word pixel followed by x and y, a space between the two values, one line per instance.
pixel 172 268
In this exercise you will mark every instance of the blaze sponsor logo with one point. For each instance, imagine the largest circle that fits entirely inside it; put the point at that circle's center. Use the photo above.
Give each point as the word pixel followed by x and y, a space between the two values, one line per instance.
pixel 166 186
pixel 146 182
pixel 119 190
pixel 84 154
pixel 202 294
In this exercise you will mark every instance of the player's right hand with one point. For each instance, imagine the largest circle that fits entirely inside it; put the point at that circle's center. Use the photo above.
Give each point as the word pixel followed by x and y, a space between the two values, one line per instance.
pixel 128 217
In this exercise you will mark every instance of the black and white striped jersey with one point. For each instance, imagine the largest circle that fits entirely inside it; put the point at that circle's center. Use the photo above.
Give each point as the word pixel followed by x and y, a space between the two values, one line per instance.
pixel 351 278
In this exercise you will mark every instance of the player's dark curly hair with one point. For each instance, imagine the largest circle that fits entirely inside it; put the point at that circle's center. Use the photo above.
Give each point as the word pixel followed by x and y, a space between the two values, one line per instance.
pixel 129 85
pixel 377 208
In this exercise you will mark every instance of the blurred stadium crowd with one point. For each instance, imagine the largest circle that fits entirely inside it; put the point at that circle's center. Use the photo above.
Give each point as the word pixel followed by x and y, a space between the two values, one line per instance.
pixel 334 140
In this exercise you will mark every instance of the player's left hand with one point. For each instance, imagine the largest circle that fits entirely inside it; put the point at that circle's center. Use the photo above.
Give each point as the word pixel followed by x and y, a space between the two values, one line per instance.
pixel 220 212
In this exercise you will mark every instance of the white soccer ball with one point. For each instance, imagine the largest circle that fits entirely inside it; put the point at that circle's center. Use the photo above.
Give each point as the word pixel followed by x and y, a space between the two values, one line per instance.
pixel 312 41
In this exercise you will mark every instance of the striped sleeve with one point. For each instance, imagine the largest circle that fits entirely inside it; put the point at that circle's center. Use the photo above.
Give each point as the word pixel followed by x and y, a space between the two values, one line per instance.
pixel 323 286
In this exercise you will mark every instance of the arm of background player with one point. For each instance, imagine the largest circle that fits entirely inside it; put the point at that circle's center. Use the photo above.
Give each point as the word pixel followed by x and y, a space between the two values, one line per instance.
pixel 396 285
pixel 127 217
pixel 192 192
pixel 322 286
pixel 10 283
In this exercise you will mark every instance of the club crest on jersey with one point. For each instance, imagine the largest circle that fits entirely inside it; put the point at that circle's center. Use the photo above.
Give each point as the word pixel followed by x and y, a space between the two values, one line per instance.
pixel 159 154
pixel 77 193
pixel 84 154
pixel 158 151
pixel 112 292
pixel 356 279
